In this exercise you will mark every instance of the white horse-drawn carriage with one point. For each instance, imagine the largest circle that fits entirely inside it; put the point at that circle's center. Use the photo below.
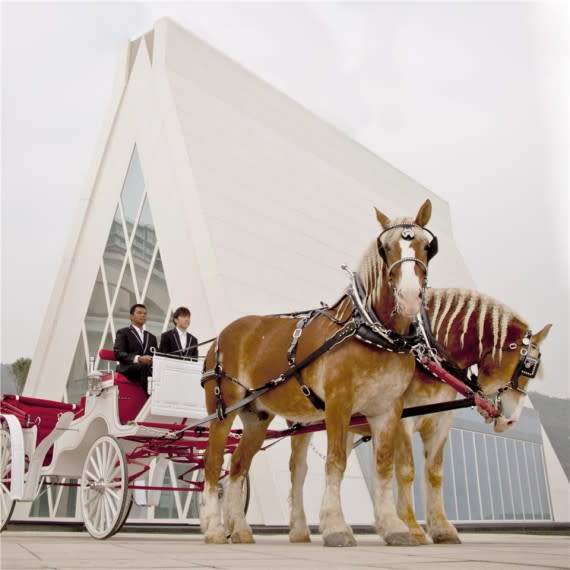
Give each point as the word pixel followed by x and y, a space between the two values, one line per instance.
pixel 116 442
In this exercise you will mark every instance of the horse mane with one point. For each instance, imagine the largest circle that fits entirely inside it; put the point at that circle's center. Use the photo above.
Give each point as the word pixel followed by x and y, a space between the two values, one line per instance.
pixel 462 304
pixel 370 271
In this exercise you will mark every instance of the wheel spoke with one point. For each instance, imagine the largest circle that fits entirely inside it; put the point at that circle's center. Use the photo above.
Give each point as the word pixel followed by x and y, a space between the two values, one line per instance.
pixel 91 505
pixel 91 475
pixel 90 499
pixel 107 517
pixel 113 505
pixel 95 467
pixel 99 460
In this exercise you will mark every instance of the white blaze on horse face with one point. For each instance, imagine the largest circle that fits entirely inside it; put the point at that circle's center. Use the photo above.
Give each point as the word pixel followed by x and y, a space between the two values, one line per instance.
pixel 409 288
pixel 512 403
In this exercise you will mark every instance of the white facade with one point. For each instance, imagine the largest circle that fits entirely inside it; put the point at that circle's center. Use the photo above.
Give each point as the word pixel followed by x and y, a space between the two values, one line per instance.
pixel 253 203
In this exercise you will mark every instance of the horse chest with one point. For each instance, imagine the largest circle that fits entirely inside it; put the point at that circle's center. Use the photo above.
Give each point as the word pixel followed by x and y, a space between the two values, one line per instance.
pixel 376 393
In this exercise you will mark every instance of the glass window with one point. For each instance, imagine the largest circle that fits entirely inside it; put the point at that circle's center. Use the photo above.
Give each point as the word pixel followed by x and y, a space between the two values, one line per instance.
pixel 418 485
pixel 542 485
pixel 472 485
pixel 114 254
pixel 533 480
pixel 483 473
pixel 157 300
pixel 96 319
pixel 528 510
pixel 77 379
pixel 460 476
pixel 515 477
pixel 495 478
pixel 108 344
pixel 132 192
pixel 143 245
pixel 126 298
pixel 506 478
pixel 448 482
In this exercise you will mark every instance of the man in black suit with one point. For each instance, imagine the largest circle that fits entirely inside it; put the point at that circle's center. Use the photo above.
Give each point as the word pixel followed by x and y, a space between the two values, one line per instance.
pixel 178 340
pixel 132 348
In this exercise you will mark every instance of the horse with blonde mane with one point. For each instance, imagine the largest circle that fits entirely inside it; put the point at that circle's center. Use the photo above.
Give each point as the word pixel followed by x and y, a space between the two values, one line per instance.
pixel 350 377
pixel 468 329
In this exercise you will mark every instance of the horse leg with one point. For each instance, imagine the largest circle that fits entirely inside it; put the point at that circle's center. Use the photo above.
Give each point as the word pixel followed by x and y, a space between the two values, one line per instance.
pixel 334 529
pixel 388 524
pixel 210 513
pixel 405 473
pixel 298 529
pixel 434 436
pixel 253 436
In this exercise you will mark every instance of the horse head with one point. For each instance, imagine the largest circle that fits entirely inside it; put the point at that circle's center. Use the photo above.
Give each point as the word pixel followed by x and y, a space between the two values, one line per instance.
pixel 406 247
pixel 505 374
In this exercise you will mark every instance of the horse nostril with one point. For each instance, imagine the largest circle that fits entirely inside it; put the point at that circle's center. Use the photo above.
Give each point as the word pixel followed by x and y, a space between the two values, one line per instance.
pixel 510 422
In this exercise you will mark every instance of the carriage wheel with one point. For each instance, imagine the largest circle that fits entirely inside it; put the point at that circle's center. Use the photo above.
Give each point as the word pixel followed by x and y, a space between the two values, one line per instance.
pixel 105 496
pixel 6 503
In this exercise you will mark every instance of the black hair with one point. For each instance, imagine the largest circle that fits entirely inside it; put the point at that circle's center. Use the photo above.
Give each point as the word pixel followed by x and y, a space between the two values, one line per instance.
pixel 180 312
pixel 135 306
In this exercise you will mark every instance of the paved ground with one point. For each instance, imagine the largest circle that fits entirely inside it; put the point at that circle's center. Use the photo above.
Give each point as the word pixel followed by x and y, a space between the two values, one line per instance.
pixel 55 550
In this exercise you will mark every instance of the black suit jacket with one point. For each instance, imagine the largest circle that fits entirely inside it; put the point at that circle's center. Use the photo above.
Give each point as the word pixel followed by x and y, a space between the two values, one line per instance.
pixel 128 345
pixel 170 344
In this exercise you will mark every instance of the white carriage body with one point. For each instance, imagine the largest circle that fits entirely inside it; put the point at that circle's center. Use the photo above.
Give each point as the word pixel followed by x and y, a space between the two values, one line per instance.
pixel 176 398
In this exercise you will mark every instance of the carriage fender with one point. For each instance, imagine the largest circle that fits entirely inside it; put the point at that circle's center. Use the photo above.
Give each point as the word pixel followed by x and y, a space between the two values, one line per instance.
pixel 37 457
pixel 18 455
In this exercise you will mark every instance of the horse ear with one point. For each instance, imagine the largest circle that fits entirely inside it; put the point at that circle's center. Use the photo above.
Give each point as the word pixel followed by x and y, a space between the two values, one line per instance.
pixel 383 219
pixel 541 334
pixel 424 214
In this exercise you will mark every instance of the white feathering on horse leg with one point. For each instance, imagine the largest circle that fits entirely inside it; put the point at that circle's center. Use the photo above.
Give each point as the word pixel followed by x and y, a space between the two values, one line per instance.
pixel 210 516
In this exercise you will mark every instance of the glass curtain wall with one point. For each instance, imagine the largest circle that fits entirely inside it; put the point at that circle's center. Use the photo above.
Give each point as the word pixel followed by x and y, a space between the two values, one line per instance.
pixel 130 271
pixel 486 477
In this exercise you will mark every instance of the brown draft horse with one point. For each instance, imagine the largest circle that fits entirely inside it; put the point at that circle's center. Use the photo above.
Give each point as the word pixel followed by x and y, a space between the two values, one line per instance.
pixel 350 378
pixel 475 330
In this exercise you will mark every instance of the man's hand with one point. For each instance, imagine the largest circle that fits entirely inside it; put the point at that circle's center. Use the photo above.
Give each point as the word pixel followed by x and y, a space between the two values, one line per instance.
pixel 146 360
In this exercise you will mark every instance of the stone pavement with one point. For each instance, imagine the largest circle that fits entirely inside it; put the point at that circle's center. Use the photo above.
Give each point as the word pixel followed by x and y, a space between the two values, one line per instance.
pixel 69 550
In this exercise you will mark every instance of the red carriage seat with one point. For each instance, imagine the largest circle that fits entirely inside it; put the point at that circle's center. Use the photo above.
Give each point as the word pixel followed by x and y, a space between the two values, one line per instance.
pixel 131 396
pixel 39 412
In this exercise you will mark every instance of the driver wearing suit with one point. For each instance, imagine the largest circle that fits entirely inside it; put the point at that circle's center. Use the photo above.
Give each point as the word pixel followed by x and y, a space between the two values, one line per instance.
pixel 133 348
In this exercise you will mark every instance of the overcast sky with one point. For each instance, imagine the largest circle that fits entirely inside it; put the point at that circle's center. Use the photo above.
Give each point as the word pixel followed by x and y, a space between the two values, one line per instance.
pixel 471 100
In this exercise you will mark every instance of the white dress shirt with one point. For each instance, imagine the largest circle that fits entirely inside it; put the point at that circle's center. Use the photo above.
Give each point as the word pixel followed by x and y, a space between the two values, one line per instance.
pixel 140 333
pixel 182 336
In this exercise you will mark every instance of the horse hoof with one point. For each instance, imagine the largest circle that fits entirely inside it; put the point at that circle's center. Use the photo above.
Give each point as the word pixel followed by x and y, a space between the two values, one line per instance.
pixel 303 536
pixel 216 538
pixel 421 538
pixel 446 539
pixel 401 539
pixel 242 538
pixel 339 539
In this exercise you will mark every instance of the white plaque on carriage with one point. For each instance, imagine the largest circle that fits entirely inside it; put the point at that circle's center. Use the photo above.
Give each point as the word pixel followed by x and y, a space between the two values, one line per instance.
pixel 176 389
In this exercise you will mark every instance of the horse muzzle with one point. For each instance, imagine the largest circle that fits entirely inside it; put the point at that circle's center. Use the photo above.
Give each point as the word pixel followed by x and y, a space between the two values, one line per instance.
pixel 502 424
pixel 408 301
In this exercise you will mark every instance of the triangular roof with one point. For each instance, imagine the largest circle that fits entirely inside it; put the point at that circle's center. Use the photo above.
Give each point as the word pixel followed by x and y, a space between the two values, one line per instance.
pixel 255 202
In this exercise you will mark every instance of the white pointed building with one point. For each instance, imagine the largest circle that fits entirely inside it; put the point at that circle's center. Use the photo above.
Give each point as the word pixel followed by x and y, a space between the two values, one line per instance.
pixel 211 189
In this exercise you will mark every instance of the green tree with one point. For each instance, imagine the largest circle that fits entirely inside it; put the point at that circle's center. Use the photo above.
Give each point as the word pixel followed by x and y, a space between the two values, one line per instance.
pixel 20 370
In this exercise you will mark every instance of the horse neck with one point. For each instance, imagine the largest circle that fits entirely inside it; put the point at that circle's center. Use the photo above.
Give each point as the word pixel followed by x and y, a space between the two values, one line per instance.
pixel 469 324
pixel 384 305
